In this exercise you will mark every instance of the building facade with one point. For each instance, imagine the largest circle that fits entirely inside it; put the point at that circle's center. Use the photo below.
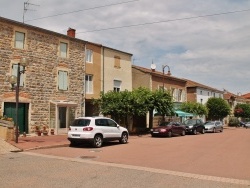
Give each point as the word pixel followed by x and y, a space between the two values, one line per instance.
pixel 51 87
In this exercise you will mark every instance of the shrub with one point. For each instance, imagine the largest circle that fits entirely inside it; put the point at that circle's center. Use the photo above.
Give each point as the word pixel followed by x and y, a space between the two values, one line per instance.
pixel 233 121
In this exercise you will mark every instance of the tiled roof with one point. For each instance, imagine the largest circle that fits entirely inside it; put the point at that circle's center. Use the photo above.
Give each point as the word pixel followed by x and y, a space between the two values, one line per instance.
pixel 246 96
pixel 228 95
pixel 157 73
pixel 191 83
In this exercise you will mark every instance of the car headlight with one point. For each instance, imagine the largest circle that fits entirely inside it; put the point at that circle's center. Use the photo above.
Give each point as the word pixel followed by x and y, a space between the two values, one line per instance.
pixel 190 126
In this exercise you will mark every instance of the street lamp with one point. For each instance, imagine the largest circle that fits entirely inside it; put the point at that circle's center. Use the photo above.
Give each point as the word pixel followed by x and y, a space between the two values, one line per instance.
pixel 16 80
pixel 169 73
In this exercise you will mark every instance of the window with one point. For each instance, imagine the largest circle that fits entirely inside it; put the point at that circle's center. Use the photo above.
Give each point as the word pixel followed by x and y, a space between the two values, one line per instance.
pixel 19 40
pixel 180 95
pixel 117 85
pixel 62 80
pixel 111 123
pixel 201 92
pixel 63 49
pixel 117 62
pixel 208 93
pixel 89 84
pixel 14 72
pixel 101 122
pixel 89 56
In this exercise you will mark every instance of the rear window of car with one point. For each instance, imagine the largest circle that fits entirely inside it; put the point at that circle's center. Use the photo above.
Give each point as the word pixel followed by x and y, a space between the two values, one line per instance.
pixel 81 122
pixel 190 122
pixel 165 124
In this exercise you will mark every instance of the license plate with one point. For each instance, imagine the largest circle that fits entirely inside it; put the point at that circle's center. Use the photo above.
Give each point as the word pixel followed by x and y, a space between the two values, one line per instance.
pixel 156 132
pixel 76 135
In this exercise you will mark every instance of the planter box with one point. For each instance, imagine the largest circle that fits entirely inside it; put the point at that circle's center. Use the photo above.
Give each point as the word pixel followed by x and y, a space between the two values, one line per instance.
pixel 6 130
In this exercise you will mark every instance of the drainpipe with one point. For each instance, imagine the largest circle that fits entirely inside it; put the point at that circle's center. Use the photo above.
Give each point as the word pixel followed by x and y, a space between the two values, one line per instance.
pixel 103 68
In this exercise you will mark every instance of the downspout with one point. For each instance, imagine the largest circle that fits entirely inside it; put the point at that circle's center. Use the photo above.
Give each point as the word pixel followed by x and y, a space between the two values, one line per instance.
pixel 103 69
pixel 83 93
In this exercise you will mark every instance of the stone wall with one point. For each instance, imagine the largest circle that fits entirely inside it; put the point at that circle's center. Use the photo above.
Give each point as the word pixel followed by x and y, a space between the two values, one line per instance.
pixel 41 77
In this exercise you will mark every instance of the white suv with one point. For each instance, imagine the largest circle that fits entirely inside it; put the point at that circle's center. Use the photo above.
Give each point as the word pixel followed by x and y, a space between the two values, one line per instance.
pixel 96 130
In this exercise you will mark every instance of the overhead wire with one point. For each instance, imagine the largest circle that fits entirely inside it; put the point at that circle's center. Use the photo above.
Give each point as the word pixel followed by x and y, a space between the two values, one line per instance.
pixel 92 8
pixel 164 21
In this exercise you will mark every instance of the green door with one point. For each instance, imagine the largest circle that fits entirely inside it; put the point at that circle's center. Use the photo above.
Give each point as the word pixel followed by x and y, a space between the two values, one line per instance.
pixel 10 111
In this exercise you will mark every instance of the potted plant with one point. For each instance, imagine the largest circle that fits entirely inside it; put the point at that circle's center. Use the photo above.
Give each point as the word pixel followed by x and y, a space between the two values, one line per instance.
pixel 38 130
pixel 52 131
pixel 45 130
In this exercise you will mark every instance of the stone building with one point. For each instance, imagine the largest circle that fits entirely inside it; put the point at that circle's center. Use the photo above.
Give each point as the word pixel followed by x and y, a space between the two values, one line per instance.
pixel 52 85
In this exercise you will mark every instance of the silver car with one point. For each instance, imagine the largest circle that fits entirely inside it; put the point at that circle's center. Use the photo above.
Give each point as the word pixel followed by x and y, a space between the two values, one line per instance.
pixel 213 126
pixel 247 125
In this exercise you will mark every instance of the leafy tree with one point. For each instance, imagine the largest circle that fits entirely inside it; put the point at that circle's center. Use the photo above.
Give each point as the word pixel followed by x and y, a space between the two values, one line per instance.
pixel 242 110
pixel 194 108
pixel 138 102
pixel 217 108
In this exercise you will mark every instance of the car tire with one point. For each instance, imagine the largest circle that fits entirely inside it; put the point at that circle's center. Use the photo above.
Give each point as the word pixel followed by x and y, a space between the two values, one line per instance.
pixel 195 132
pixel 124 138
pixel 183 133
pixel 203 131
pixel 98 141
pixel 169 134
pixel 72 144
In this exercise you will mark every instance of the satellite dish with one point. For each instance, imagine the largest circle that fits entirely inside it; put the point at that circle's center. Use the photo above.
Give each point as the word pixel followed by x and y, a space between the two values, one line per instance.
pixel 153 66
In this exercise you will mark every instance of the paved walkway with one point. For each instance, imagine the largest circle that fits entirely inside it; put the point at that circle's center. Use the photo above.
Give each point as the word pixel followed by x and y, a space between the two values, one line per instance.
pixel 6 147
pixel 32 142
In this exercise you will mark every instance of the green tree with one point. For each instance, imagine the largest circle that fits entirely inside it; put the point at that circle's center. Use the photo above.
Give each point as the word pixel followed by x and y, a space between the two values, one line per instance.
pixel 242 110
pixel 194 108
pixel 138 102
pixel 217 108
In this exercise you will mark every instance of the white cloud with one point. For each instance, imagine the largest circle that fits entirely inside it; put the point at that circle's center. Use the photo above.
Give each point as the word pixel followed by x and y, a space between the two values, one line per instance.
pixel 213 50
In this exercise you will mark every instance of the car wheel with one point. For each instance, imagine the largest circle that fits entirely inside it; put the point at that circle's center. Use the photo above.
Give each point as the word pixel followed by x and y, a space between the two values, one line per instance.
pixel 98 140
pixel 203 131
pixel 169 134
pixel 194 131
pixel 214 130
pixel 124 138
pixel 72 144
pixel 183 133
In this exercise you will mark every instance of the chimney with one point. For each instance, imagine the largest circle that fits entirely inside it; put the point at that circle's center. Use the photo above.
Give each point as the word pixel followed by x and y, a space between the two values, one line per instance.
pixel 71 32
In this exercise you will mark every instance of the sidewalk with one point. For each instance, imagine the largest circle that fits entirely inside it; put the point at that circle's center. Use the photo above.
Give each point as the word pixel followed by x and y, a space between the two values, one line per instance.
pixel 39 142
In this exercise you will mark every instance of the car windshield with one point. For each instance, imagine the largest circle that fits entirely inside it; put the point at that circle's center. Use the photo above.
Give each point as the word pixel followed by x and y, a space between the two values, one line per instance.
pixel 190 122
pixel 81 122
pixel 165 124
pixel 209 123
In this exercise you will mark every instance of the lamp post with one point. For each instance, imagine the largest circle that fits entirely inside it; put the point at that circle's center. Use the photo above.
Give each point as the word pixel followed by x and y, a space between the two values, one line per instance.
pixel 16 80
pixel 169 73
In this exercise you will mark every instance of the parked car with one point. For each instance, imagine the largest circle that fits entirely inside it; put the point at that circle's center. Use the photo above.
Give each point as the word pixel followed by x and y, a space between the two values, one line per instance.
pixel 194 126
pixel 168 129
pixel 213 126
pixel 247 125
pixel 96 130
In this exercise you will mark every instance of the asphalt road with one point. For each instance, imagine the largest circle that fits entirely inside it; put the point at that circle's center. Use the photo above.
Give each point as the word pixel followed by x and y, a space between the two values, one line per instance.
pixel 224 155
pixel 210 160
pixel 28 170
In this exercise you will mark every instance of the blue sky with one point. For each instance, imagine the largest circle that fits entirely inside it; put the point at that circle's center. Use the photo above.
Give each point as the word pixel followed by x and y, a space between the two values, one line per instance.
pixel 211 50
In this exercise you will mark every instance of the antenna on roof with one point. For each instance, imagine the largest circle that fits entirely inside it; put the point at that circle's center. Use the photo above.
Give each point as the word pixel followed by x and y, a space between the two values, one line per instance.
pixel 25 7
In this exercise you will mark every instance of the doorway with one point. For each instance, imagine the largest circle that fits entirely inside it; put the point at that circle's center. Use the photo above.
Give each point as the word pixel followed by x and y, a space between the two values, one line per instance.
pixel 10 111
pixel 62 117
